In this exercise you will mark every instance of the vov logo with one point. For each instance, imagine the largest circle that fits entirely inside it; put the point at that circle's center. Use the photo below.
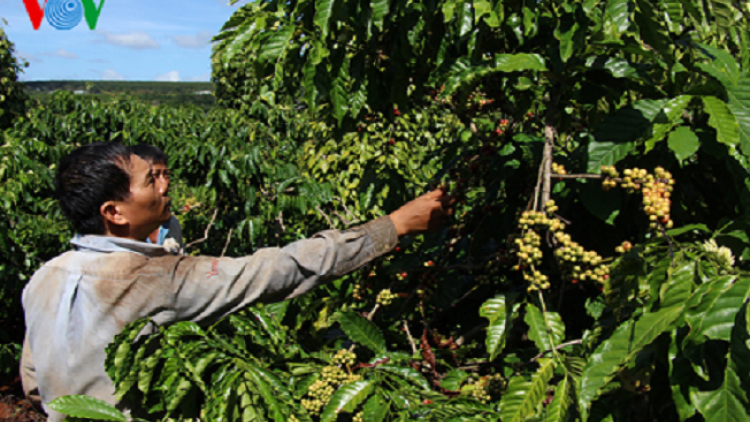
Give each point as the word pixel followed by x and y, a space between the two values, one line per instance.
pixel 63 14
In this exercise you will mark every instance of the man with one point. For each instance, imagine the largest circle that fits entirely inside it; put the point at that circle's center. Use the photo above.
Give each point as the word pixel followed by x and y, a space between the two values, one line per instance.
pixel 76 303
pixel 171 229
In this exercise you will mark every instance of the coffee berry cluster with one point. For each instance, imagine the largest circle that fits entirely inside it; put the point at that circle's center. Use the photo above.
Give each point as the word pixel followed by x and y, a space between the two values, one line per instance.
pixel 656 188
pixel 359 417
pixel 611 173
pixel 321 391
pixel 385 297
pixel 344 358
pixel 480 394
pixel 540 220
pixel 551 207
pixel 537 280
pixel 488 388
pixel 529 252
pixel 360 285
pixel 492 268
pixel 580 263
pixel 558 169
pixel 624 247
pixel 657 191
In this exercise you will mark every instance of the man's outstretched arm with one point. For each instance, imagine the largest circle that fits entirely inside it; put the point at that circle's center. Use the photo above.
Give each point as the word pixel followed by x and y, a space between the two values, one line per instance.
pixel 206 288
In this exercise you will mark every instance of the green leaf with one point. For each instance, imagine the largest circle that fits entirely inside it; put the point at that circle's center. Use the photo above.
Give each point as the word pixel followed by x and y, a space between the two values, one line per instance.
pixel 375 409
pixel 379 12
pixel 689 228
pixel 362 331
pixel 649 22
pixel 670 116
pixel 722 66
pixel 627 340
pixel 713 317
pixel 244 34
pixel 339 95
pixel 605 205
pixel 679 286
pixel 481 8
pixel 674 14
pixel 615 137
pixel 618 67
pixel 407 373
pixel 346 398
pixel 464 72
pixel 546 329
pixel 308 82
pixel 323 13
pixel 495 310
pixel 722 119
pixel 274 46
pixel 723 11
pixel 559 409
pixel 567 32
pixel 683 142
pixel 680 376
pixel 452 380
pixel 522 397
pixel 86 407
pixel 739 104
pixel 518 62
pixel 618 14
pixel 728 403
pixel 464 18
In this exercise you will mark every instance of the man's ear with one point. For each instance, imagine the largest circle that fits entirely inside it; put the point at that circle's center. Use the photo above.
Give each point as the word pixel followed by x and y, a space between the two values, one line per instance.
pixel 112 214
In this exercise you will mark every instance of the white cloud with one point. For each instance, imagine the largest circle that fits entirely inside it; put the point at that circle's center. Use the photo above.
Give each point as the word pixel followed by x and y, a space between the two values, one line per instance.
pixel 61 52
pixel 138 40
pixel 173 76
pixel 202 78
pixel 31 58
pixel 111 75
pixel 200 40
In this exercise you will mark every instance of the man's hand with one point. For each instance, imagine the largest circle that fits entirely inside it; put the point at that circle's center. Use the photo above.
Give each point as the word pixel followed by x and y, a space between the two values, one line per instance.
pixel 424 214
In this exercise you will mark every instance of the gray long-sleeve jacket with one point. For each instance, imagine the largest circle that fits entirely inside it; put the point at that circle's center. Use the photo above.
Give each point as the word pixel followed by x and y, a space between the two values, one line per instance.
pixel 76 303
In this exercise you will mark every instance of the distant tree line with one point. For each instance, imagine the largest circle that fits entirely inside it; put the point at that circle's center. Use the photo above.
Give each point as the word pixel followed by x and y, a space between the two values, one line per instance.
pixel 158 93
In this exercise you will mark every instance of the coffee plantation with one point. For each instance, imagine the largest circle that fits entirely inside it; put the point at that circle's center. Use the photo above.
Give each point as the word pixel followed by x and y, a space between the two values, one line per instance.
pixel 597 265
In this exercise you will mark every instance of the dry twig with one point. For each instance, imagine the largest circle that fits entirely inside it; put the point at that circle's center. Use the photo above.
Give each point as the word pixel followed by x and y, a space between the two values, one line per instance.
pixel 411 339
pixel 328 219
pixel 550 132
pixel 280 219
pixel 226 245
pixel 346 209
pixel 342 218
pixel 205 234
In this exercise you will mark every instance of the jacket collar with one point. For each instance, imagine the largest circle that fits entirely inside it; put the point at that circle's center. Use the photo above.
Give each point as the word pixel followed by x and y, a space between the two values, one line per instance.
pixel 106 244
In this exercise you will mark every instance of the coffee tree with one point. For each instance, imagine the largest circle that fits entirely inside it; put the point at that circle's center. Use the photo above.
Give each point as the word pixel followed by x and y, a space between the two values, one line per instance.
pixel 596 266
pixel 12 95
pixel 13 101
pixel 641 107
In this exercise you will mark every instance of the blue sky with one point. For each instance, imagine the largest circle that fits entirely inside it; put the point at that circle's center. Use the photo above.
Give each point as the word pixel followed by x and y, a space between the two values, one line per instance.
pixel 136 40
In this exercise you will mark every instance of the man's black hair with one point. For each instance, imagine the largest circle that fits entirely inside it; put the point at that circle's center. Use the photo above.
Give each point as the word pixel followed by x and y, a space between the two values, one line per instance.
pixel 88 177
pixel 150 153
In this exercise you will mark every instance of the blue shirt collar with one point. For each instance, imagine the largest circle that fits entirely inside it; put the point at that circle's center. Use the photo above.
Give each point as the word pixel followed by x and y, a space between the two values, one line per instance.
pixel 96 243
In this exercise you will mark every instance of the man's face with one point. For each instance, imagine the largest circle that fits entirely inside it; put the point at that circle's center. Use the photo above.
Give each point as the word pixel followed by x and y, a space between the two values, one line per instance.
pixel 148 205
pixel 161 175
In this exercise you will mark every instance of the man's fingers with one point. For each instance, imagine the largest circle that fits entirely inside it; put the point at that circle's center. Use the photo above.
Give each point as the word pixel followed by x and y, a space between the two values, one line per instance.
pixel 437 193
pixel 448 201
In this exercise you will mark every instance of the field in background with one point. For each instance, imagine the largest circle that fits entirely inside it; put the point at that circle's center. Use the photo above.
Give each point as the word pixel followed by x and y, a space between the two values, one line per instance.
pixel 165 93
